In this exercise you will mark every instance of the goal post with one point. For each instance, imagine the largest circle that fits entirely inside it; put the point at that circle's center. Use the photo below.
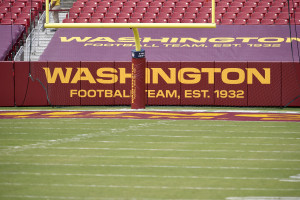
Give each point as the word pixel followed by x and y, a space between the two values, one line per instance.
pixel 138 55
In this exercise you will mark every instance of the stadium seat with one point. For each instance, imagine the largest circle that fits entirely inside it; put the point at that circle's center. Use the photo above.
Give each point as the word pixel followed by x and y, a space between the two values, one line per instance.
pixel 81 20
pixel 229 16
pixel 174 20
pixel 118 4
pixel 68 20
pixel 123 1
pixel 153 10
pixel 134 20
pixel 10 15
pixel 187 21
pixel 253 21
pixel 233 10
pixel 160 20
pixel 285 16
pixel 166 10
pixel 226 21
pixel 142 4
pixel 163 15
pixel 3 10
pixel 85 15
pixel 278 4
pixel 95 20
pixel 222 4
pixel 7 21
pixel 16 10
pixel 149 15
pixel 295 21
pixel 79 4
pixel 285 9
pixel 105 4
pixel 19 4
pixel 249 10
pixel 192 10
pixel 137 15
pixel 281 21
pixel 274 10
pixel 220 10
pixel 218 15
pixel 127 10
pixel 257 15
pixel 114 10
pixel 264 4
pixel 130 4
pixel 98 15
pixel 140 10
pixel 28 16
pixel 108 20
pixel 147 20
pixel 267 21
pixel 75 10
pixel 169 4
pixel 271 16
pixel 195 4
pixel 250 4
pixel 101 10
pixel 240 21
pixel 237 4
pixel 156 4
pixel 124 15
pixel 111 15
pixel 179 10
pixel 182 4
pixel 176 16
pixel 199 20
pixel 121 20
pixel 261 10
pixel 203 15
pixel 91 4
pixel 205 10
pixel 190 16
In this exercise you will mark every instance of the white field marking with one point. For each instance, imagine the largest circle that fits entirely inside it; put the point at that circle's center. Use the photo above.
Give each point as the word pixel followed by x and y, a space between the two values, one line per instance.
pixel 263 198
pixel 292 179
pixel 145 166
pixel 173 150
pixel 52 128
pixel 203 136
pixel 8 133
pixel 147 187
pixel 137 176
pixel 86 198
pixel 155 157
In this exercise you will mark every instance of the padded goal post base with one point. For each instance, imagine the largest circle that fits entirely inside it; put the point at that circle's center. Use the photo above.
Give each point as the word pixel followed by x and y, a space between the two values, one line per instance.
pixel 138 80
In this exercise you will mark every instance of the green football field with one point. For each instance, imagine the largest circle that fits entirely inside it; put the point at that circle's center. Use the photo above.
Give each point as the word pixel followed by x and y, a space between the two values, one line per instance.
pixel 149 159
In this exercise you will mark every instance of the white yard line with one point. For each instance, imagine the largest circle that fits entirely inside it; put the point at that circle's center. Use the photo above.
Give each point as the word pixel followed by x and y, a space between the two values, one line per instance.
pixel 146 166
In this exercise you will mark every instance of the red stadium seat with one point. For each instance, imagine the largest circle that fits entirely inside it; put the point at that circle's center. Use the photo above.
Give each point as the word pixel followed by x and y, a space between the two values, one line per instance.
pixel 182 4
pixel 240 21
pixel 148 15
pixel 143 4
pixel 187 21
pixel 243 15
pixel 19 4
pixel 156 4
pixel 237 4
pixel 111 15
pixel 105 4
pixel 10 15
pixel 85 15
pixel 174 20
pixel 75 10
pixel 70 15
pixel 179 10
pixel 101 10
pixel 229 16
pixel 91 4
pixel 271 16
pixel 192 10
pixel 195 4
pixel 220 10
pixel 233 10
pixel 127 10
pixel 23 22
pixel 295 21
pixel 166 10
pixel 222 4
pixel 253 21
pixel 227 21
pixel 274 10
pixel 147 21
pixel 108 20
pixel 124 15
pixel 285 16
pixel 247 10
pixel 257 16
pixel 261 10
pixel 68 20
pixel 95 20
pixel 250 4
pixel 81 20
pixel 205 10
pixel 98 15
pixel 190 16
pixel 79 4
pixel 264 4
pixel 278 4
pixel 199 20
pixel 160 20
pixel 118 4
pixel 7 21
pixel 140 10
pixel 3 10
pixel 163 15
pixel 176 15
pixel 281 21
pixel 88 10
pixel 134 20
pixel 267 21
pixel 130 4
pixel 114 10
pixel 137 15
pixel 121 20
pixel 153 10
pixel 203 15
pixel 285 9
pixel 169 4
pixel 16 10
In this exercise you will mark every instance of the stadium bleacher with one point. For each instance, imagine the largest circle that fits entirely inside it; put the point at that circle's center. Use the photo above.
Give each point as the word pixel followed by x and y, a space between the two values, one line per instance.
pixel 240 12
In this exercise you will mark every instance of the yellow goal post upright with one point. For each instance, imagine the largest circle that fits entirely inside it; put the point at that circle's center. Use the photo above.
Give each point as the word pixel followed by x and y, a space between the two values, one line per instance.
pixel 138 55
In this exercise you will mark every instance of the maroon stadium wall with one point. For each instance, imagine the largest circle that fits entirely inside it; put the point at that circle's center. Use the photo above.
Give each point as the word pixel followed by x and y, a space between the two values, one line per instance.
pixel 167 83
